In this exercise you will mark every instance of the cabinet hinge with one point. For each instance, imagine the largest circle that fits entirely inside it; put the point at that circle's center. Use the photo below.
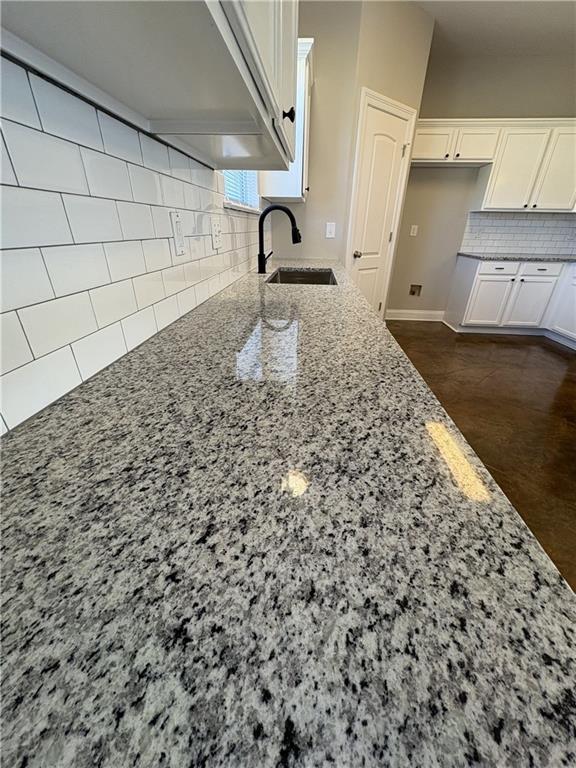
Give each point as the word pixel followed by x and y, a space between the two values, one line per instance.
pixel 390 237
pixel 379 306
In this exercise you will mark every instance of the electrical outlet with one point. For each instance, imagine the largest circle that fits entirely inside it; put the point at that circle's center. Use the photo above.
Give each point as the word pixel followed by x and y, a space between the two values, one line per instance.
pixel 216 230
pixel 330 229
pixel 414 230
pixel 415 290
pixel 177 231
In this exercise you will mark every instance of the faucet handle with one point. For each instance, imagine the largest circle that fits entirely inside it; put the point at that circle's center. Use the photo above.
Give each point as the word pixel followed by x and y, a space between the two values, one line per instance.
pixel 270 254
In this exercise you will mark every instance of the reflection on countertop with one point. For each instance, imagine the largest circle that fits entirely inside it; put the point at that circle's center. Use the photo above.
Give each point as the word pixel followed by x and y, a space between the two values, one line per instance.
pixel 259 540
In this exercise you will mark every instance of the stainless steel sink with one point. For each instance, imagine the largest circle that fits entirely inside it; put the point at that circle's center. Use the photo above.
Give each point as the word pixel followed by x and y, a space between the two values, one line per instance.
pixel 313 276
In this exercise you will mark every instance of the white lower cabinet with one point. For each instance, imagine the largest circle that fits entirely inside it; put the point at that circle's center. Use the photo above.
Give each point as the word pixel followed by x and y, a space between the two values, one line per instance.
pixel 488 300
pixel 563 310
pixel 528 301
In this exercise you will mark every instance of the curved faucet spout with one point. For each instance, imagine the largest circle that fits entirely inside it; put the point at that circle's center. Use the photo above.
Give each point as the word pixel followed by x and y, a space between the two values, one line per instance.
pixel 296 236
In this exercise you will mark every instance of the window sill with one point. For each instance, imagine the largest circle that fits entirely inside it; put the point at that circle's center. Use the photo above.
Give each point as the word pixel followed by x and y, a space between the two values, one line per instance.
pixel 244 208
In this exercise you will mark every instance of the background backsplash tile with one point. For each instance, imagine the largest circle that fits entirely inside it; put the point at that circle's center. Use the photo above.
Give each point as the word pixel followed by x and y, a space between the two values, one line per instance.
pixel 88 264
pixel 522 233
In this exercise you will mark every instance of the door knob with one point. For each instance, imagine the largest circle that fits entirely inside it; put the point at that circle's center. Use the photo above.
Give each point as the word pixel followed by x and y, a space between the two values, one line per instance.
pixel 291 114
pixel 357 254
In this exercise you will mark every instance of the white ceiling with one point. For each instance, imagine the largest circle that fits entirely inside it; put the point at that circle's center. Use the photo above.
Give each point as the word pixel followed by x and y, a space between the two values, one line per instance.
pixel 524 27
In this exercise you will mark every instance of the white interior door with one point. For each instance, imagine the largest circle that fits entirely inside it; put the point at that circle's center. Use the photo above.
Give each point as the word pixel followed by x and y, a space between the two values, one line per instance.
pixel 384 131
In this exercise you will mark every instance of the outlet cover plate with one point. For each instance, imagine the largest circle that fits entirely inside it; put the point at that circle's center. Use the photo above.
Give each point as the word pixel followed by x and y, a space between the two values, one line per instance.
pixel 178 232
pixel 216 230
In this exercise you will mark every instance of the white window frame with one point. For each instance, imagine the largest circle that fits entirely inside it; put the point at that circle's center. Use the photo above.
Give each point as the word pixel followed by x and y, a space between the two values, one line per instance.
pixel 238 205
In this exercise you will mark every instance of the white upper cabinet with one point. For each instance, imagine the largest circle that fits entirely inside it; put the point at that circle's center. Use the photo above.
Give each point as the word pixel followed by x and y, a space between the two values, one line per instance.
pixel 433 143
pixel 555 188
pixel 476 144
pixel 211 77
pixel 516 168
pixel 292 185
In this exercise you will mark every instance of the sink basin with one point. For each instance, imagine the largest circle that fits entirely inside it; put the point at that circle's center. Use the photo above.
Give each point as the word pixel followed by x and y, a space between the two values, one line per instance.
pixel 314 276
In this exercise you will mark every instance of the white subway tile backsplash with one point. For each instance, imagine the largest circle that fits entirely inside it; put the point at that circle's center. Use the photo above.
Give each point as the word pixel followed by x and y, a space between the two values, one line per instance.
pixel 192 272
pixel 31 217
pixel 191 197
pixel 53 324
pixel 166 311
pixel 186 300
pixel 179 165
pixel 107 176
pixel 16 96
pixel 7 175
pixel 75 268
pixel 139 327
pixel 148 289
pixel 43 161
pixel 196 247
pixel 24 279
pixel 92 219
pixel 113 302
pixel 162 222
pixel 98 350
pixel 154 154
pixel 28 389
pixel 520 233
pixel 145 185
pixel 136 221
pixel 156 254
pixel 15 350
pixel 125 259
pixel 65 115
pixel 120 139
pixel 174 279
pixel 172 192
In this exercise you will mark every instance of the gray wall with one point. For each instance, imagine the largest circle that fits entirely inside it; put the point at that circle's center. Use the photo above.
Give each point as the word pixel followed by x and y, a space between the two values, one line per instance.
pixel 438 200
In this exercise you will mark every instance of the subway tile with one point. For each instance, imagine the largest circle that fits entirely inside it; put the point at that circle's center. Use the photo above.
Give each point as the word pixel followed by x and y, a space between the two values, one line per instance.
pixel 139 327
pixel 156 254
pixel 107 176
pixel 174 279
pixel 66 115
pixel 28 389
pixel 196 247
pixel 148 289
pixel 136 221
pixel 125 259
pixel 179 258
pixel 172 192
pixel 162 222
pixel 7 175
pixel 16 96
pixel 43 161
pixel 192 272
pixel 113 302
pixel 120 139
pixel 202 291
pixel 154 154
pixel 95 352
pixel 92 219
pixel 145 185
pixel 179 165
pixel 53 324
pixel 188 223
pixel 186 300
pixel 191 197
pixel 75 268
pixel 166 311
pixel 31 217
pixel 202 176
pixel 24 278
pixel 15 350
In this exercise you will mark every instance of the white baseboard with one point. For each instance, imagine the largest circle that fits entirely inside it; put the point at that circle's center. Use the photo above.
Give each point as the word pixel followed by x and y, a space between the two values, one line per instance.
pixel 552 335
pixel 435 315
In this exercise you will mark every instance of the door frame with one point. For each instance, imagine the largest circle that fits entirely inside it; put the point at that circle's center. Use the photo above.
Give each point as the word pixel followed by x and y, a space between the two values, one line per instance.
pixel 373 98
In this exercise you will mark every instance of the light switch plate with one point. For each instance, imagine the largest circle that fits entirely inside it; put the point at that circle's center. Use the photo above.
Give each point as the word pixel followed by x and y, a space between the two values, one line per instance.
pixel 330 229
pixel 414 230
pixel 216 230
pixel 178 232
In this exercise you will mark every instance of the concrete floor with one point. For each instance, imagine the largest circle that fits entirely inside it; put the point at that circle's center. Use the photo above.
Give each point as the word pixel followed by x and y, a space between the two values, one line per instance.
pixel 514 399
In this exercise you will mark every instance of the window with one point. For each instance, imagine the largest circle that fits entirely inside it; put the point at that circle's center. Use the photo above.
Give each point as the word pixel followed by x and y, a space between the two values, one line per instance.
pixel 241 187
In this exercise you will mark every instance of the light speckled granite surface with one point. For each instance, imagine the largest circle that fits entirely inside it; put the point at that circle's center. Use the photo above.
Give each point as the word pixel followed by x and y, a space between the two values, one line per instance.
pixel 240 546
pixel 517 257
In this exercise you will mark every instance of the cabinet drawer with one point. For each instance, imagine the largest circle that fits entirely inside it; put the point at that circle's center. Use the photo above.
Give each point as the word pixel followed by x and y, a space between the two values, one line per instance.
pixel 499 267
pixel 552 269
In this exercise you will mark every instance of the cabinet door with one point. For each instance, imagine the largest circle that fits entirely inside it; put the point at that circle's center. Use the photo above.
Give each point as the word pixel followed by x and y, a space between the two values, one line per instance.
pixel 433 143
pixel 563 318
pixel 488 300
pixel 264 20
pixel 516 168
pixel 476 143
pixel 556 185
pixel 286 67
pixel 528 301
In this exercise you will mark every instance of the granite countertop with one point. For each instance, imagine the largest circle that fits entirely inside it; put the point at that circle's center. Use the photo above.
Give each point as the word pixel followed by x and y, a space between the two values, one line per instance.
pixel 242 545
pixel 518 256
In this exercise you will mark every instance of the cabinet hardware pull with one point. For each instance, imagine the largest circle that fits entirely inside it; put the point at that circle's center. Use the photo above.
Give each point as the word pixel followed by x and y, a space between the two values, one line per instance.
pixel 457 154
pixel 513 279
pixel 447 155
pixel 357 254
pixel 521 279
pixel 542 269
pixel 291 114
pixel 534 206
pixel 525 205
pixel 306 189
pixel 498 267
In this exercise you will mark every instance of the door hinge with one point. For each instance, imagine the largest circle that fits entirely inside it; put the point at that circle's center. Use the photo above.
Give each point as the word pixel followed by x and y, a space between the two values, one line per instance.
pixel 390 237
pixel 404 147
pixel 379 306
